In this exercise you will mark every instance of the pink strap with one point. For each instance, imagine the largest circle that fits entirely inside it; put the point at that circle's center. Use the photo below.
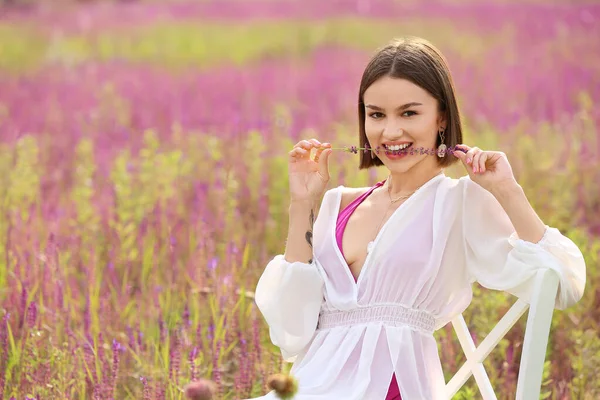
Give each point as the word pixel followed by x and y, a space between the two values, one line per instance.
pixel 344 215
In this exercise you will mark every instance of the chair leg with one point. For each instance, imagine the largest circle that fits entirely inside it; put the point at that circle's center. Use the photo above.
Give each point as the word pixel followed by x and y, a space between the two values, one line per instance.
pixel 537 332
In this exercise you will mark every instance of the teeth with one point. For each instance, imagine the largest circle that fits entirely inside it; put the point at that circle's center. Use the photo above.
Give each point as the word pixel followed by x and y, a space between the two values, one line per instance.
pixel 397 146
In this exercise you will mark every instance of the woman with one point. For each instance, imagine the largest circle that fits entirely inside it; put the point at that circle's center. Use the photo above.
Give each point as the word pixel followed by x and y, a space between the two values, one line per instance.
pixel 354 304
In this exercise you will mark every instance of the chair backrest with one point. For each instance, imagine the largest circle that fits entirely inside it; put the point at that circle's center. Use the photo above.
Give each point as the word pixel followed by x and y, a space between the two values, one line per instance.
pixel 537 331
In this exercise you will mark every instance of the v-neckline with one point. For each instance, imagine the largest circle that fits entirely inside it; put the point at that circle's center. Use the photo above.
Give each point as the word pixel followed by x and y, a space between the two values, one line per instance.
pixel 356 282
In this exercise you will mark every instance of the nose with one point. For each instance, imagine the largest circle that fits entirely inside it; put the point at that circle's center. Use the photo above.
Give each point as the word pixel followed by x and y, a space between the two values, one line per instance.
pixel 392 132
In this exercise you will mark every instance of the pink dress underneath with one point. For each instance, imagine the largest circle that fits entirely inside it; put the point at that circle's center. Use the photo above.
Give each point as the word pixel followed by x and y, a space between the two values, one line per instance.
pixel 394 390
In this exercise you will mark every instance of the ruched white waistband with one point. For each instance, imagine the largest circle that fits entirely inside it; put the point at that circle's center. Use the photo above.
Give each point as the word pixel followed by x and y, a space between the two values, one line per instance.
pixel 388 314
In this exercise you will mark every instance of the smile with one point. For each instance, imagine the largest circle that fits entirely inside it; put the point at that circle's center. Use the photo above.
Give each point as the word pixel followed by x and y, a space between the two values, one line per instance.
pixel 397 148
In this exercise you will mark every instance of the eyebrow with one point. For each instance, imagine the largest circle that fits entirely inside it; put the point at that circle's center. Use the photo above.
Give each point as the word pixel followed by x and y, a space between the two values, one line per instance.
pixel 403 107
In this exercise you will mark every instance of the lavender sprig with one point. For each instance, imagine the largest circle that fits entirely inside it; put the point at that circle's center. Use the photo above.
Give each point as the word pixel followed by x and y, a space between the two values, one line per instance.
pixel 420 150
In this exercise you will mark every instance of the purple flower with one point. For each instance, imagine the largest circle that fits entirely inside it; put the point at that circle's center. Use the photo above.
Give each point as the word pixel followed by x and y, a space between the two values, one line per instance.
pixel 32 314
pixel 227 279
pixel 186 315
pixel 23 299
pixel 192 358
pixel 175 358
pixel 212 264
pixel 140 339
pixel 130 336
pixel 115 367
pixel 146 388
pixel 162 328
pixel 211 330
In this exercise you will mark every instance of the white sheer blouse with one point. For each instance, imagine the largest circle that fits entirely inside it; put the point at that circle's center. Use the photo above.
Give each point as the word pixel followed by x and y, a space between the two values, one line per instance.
pixel 346 338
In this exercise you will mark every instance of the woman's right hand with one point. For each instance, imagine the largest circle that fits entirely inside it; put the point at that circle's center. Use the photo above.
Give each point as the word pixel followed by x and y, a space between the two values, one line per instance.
pixel 308 178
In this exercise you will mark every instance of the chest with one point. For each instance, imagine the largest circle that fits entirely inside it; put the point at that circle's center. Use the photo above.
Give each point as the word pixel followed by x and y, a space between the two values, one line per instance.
pixel 363 226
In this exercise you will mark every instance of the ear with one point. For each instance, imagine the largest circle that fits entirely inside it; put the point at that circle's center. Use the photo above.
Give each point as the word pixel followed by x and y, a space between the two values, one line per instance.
pixel 442 122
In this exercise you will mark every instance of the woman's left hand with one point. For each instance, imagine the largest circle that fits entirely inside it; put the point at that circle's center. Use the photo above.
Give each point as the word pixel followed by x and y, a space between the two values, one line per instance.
pixel 490 169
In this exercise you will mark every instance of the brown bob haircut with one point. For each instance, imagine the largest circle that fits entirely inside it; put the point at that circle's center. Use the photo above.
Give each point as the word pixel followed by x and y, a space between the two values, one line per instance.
pixel 418 61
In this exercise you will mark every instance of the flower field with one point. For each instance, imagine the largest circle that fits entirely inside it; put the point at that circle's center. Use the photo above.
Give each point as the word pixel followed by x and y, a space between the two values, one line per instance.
pixel 143 177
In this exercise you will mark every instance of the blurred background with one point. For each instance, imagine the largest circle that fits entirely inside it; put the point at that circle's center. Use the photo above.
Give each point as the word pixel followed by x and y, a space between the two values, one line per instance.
pixel 143 175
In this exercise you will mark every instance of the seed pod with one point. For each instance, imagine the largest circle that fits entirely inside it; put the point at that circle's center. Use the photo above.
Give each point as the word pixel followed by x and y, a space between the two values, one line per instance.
pixel 202 389
pixel 285 386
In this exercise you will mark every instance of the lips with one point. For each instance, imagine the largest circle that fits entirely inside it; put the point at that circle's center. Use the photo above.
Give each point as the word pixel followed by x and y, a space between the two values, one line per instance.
pixel 401 151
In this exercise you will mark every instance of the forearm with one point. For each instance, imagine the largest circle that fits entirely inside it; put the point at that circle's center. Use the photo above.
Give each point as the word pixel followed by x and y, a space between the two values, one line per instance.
pixel 526 222
pixel 299 245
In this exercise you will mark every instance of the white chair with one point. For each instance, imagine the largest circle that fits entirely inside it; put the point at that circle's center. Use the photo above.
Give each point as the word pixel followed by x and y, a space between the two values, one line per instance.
pixel 537 331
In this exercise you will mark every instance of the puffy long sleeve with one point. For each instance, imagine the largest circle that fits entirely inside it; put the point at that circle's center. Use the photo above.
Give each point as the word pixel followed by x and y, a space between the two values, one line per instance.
pixel 498 259
pixel 289 296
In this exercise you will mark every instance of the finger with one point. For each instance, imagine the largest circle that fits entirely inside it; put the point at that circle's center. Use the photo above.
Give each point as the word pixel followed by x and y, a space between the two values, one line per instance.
pixel 470 154
pixel 324 165
pixel 460 149
pixel 456 152
pixel 302 146
pixel 463 159
pixel 309 145
pixel 298 153
pixel 482 160
pixel 301 152
pixel 305 144
pixel 317 145
pixel 475 163
pixel 315 142
pixel 321 149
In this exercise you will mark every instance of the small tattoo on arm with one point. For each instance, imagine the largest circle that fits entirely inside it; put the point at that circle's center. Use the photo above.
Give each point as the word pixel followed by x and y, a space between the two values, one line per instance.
pixel 309 233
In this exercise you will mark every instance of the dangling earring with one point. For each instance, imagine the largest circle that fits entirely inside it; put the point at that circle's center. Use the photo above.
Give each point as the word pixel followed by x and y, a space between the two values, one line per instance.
pixel 441 150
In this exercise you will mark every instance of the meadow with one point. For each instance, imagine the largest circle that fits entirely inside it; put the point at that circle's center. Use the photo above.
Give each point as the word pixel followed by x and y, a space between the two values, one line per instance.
pixel 143 177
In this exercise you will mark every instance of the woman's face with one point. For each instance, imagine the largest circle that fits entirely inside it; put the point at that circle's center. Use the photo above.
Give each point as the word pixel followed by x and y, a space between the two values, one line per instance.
pixel 399 112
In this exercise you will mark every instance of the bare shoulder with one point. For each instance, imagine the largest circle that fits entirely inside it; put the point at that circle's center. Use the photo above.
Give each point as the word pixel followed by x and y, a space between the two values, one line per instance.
pixel 349 194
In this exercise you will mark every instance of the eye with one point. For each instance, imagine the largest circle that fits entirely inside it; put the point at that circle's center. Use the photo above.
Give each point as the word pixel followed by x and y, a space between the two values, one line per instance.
pixel 375 115
pixel 409 111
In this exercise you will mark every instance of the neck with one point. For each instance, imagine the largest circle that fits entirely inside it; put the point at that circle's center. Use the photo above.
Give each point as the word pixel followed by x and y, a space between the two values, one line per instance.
pixel 404 183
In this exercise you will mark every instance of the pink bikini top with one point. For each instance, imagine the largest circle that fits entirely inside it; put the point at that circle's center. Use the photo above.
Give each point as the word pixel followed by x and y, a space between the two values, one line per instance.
pixel 347 211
